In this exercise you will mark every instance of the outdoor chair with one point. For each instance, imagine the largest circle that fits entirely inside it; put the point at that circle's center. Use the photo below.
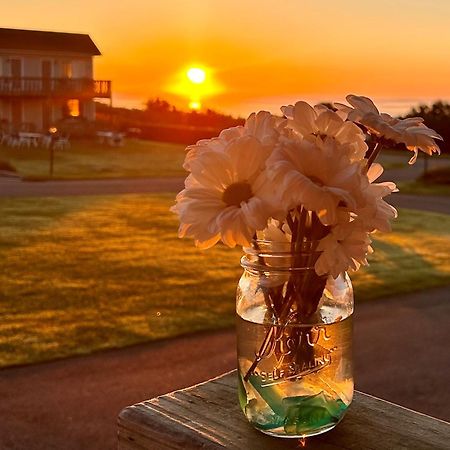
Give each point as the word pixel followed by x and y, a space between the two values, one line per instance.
pixel 45 141
pixel 61 143
pixel 110 138
pixel 4 138
pixel 25 142
pixel 116 140
pixel 13 140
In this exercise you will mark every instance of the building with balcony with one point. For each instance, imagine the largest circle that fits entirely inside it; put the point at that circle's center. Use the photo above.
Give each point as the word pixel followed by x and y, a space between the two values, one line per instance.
pixel 46 77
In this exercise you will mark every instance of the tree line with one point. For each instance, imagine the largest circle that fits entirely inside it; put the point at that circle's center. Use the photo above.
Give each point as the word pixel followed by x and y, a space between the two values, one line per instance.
pixel 162 121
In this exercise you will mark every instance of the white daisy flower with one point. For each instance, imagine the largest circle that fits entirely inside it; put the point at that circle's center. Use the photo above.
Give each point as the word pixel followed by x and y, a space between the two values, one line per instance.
pixel 346 246
pixel 227 195
pixel 321 178
pixel 320 122
pixel 262 125
pixel 276 232
pixel 411 132
pixel 416 136
pixel 377 214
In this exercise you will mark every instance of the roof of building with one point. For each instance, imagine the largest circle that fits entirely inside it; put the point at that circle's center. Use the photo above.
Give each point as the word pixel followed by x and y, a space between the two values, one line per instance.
pixel 14 39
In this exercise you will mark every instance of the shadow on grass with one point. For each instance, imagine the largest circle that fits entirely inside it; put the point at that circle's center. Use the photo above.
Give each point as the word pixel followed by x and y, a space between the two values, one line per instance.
pixel 396 270
pixel 91 273
pixel 22 218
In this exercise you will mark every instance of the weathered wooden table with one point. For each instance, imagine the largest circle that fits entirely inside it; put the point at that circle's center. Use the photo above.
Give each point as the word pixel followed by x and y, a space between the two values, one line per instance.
pixel 207 416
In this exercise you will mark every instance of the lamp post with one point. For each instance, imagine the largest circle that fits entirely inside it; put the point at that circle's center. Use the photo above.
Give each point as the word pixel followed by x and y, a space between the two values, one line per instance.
pixel 52 131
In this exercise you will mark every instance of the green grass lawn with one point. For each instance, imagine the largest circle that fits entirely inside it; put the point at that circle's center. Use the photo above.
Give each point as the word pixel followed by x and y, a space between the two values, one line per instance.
pixel 80 274
pixel 88 160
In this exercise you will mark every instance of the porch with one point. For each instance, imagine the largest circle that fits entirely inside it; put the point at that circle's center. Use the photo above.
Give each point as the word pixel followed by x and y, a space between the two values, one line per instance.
pixel 54 87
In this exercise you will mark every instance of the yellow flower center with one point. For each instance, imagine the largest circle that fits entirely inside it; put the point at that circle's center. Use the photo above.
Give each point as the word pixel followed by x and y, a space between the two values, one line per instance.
pixel 237 193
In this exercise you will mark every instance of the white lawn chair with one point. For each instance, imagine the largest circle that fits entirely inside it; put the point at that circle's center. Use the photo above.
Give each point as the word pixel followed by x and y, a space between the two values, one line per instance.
pixel 13 140
pixel 25 141
pixel 45 141
pixel 116 140
pixel 4 138
pixel 61 143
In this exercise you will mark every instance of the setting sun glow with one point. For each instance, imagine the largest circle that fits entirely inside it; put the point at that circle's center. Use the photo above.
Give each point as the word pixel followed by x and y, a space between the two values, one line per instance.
pixel 196 75
pixel 194 85
pixel 239 63
pixel 195 106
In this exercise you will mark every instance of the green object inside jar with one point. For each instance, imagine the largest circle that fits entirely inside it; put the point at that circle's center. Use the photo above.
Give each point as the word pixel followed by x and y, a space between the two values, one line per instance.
pixel 297 415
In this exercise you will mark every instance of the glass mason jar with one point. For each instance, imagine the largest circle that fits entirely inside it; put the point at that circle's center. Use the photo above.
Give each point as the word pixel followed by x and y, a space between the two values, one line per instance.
pixel 294 342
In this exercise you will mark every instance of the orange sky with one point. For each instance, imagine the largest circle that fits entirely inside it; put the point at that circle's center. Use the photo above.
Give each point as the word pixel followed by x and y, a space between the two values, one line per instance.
pixel 259 53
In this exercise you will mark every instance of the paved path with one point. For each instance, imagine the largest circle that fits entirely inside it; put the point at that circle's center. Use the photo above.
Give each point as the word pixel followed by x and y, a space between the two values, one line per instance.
pixel 422 202
pixel 400 347
pixel 14 187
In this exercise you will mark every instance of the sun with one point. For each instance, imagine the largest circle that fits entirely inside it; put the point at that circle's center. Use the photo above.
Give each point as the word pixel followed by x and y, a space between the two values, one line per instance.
pixel 196 75
pixel 195 105
pixel 195 84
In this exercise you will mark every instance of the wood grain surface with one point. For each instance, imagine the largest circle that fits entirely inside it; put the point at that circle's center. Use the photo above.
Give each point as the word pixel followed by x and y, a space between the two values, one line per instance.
pixel 207 416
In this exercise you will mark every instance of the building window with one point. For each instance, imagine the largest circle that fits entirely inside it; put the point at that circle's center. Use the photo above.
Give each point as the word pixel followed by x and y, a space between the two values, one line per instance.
pixel 67 69
pixel 72 108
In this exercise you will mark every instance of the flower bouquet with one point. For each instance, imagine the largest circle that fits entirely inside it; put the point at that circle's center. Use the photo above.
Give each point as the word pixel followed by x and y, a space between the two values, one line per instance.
pixel 298 193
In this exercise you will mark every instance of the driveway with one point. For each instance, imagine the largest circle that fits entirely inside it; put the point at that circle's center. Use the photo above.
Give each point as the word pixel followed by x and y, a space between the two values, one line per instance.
pixel 14 187
pixel 422 202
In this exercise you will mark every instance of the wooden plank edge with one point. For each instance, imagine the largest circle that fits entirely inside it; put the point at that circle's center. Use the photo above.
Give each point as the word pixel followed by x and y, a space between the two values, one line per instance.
pixel 395 405
pixel 133 431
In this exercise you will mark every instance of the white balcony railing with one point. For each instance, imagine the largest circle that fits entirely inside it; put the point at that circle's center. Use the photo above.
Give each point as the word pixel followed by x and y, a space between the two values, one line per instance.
pixel 54 87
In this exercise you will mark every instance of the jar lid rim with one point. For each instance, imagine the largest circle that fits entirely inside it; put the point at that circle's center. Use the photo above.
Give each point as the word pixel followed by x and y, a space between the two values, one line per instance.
pixel 280 248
